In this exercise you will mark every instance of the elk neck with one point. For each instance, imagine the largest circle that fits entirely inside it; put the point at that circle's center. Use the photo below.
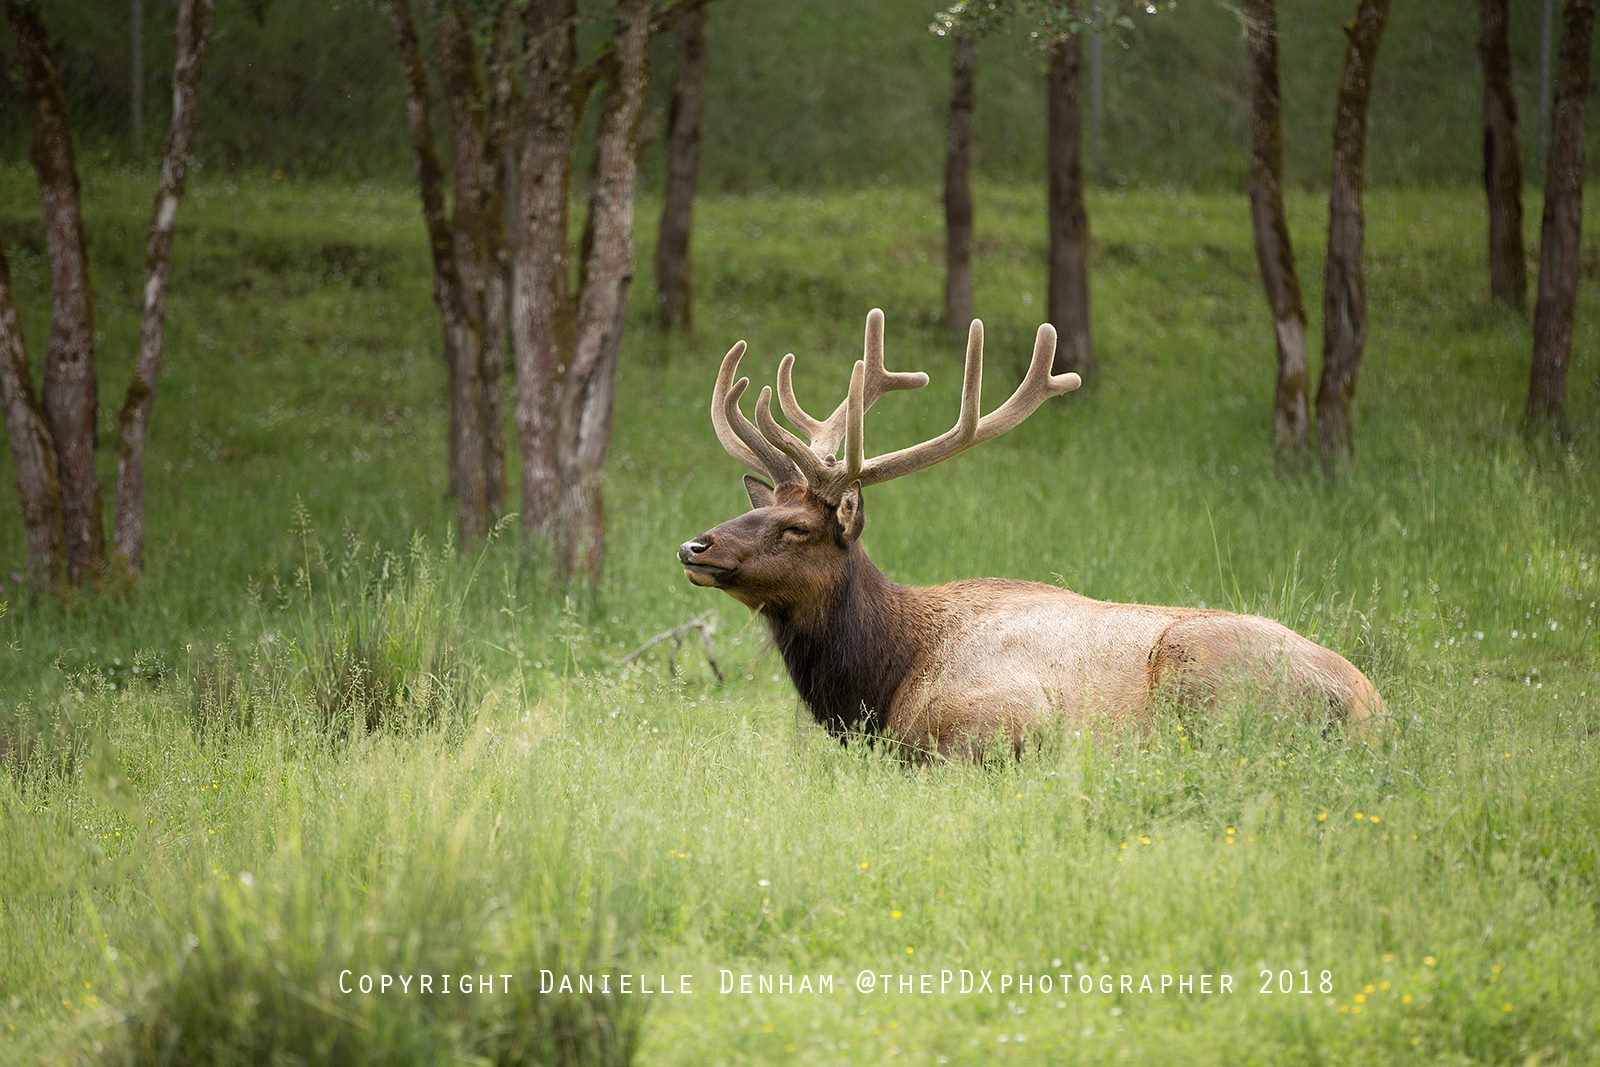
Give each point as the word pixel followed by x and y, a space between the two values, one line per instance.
pixel 848 652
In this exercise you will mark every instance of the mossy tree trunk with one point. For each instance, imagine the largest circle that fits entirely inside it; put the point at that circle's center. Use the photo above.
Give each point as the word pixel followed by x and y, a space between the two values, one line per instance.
pixel 1274 251
pixel 70 396
pixel 958 204
pixel 1502 161
pixel 1561 227
pixel 33 455
pixel 52 431
pixel 674 275
pixel 1068 301
pixel 1344 301
pixel 567 343
pixel 455 244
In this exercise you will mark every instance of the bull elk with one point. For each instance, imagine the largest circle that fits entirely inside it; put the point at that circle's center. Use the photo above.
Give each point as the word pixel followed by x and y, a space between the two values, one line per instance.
pixel 952 669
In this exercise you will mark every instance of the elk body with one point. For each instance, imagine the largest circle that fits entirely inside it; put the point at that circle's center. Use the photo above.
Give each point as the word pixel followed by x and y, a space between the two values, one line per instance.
pixel 955 668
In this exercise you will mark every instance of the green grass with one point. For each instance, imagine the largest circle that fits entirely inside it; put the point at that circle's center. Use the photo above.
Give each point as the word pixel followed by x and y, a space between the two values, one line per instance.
pixel 200 833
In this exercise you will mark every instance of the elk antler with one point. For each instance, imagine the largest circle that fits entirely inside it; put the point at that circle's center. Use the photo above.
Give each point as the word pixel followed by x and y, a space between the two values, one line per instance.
pixel 770 447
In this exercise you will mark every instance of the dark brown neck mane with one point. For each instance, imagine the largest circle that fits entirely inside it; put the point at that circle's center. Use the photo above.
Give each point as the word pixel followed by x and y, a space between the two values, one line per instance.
pixel 849 657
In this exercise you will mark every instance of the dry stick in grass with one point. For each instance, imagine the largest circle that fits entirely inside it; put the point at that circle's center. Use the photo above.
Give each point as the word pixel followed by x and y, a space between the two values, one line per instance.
pixel 677 635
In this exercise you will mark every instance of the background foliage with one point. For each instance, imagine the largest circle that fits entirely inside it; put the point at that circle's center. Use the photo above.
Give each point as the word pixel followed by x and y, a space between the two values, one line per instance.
pixel 858 89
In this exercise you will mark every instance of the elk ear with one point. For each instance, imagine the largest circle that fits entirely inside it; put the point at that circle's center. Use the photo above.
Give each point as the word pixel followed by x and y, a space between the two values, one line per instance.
pixel 761 494
pixel 851 515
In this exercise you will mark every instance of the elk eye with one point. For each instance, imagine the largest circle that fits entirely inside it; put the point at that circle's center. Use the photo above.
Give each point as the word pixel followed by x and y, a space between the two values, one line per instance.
pixel 797 531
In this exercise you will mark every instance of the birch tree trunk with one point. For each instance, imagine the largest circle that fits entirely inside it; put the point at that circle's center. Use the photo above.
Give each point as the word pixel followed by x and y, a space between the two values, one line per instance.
pixel 1068 300
pixel 32 454
pixel 1344 306
pixel 1274 251
pixel 958 205
pixel 69 393
pixel 194 30
pixel 674 283
pixel 1562 226
pixel 1502 161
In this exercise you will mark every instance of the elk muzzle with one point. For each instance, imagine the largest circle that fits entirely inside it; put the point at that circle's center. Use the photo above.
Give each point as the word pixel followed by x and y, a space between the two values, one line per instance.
pixel 696 568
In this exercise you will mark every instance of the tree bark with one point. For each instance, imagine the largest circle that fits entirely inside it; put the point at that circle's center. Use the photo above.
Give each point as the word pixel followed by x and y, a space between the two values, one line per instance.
pixel 674 288
pixel 1562 226
pixel 462 335
pixel 1344 310
pixel 1068 301
pixel 543 321
pixel 1502 161
pixel 1274 251
pixel 605 275
pixel 478 228
pixel 32 454
pixel 194 30
pixel 958 205
pixel 498 172
pixel 70 400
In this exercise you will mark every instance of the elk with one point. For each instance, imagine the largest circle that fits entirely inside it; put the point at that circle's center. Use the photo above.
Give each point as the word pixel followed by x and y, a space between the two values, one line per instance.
pixel 953 669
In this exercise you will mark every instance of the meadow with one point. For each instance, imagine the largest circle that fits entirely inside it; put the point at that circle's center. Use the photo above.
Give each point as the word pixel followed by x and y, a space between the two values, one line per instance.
pixel 318 739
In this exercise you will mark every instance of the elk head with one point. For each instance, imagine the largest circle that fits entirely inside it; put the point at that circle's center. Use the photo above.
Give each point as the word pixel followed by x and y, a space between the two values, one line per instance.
pixel 798 541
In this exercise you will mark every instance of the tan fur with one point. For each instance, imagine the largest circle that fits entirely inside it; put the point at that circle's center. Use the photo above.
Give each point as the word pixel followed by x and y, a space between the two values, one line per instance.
pixel 1003 657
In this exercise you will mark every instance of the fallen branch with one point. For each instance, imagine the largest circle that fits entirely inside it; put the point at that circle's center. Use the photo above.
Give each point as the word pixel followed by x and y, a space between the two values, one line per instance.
pixel 704 625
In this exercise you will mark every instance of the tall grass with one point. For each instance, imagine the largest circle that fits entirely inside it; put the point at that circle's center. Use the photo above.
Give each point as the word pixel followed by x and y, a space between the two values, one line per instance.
pixel 318 739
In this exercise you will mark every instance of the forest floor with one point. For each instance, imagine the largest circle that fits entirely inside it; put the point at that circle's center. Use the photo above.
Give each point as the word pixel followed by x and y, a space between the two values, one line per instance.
pixel 316 740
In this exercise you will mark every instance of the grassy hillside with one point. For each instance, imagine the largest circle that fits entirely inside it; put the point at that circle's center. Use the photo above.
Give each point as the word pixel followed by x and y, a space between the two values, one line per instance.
pixel 796 90
pixel 200 834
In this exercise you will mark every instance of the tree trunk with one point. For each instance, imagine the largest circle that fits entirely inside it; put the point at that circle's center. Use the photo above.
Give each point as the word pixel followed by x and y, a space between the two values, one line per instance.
pixel 478 229
pixel 1502 162
pixel 958 207
pixel 1068 302
pixel 674 291
pixel 543 323
pixel 1562 225
pixel 461 333
pixel 32 453
pixel 1274 251
pixel 500 174
pixel 605 274
pixel 70 400
pixel 1344 310
pixel 194 30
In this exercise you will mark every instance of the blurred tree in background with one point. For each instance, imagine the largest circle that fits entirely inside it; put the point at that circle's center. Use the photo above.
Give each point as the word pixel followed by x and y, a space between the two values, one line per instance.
pixel 522 107
pixel 1559 233
pixel 1502 159
pixel 53 429
pixel 674 287
pixel 1344 297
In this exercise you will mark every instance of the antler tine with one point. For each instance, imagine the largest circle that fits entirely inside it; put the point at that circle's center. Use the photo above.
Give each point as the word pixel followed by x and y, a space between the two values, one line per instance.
pixel 855 410
pixel 791 406
pixel 827 435
pixel 742 440
pixel 1037 386
pixel 797 450
pixel 719 419
pixel 879 380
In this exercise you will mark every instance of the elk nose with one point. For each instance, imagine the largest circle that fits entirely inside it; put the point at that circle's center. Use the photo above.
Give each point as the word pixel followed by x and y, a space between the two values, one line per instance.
pixel 690 549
